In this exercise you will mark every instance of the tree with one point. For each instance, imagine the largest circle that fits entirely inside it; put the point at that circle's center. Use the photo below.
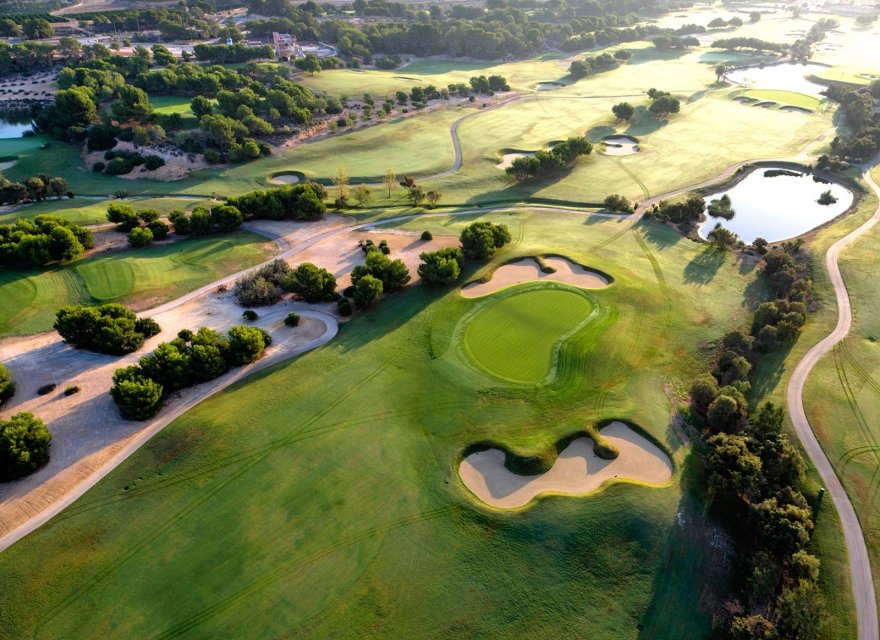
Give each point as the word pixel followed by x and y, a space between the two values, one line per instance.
pixel 433 197
pixel 7 384
pixel 389 179
pixel 367 291
pixel 721 70
pixel 24 445
pixel 57 187
pixel 722 238
pixel 480 240
pixel 109 328
pixel 754 16
pixel 703 392
pixel 246 344
pixel 664 104
pixel 74 107
pixel 623 111
pixel 310 63
pixel 392 273
pixel 733 470
pixel 133 104
pixel 140 237
pixel 722 208
pixel 341 181
pixel 362 194
pixel 136 396
pixel 416 195
pixel 168 365
pixel 201 106
pixel 442 266
pixel 724 414
pixel 311 282
pixel 37 29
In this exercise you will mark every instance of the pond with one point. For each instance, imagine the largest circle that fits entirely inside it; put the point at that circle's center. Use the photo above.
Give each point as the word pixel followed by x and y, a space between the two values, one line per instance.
pixel 778 208
pixel 14 128
pixel 788 77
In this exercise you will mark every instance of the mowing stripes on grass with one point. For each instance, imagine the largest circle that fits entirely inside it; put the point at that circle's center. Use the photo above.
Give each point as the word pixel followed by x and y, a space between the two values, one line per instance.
pixel 515 337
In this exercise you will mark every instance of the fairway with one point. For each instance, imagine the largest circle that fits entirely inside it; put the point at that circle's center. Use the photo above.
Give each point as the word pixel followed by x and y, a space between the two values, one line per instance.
pixel 515 336
pixel 138 277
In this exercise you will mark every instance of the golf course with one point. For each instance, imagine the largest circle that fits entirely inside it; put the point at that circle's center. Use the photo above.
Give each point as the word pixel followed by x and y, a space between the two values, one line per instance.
pixel 514 380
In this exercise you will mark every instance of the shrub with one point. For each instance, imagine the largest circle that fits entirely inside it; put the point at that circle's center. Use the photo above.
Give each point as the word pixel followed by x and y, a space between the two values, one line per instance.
pixel 392 273
pixel 46 389
pixel 262 286
pixel 153 162
pixel 427 236
pixel 616 202
pixel 250 315
pixel 24 445
pixel 69 391
pixel 140 237
pixel 42 240
pixel 98 167
pixel 109 328
pixel 343 307
pixel 137 396
pixel 117 167
pixel 292 319
pixel 7 385
pixel 123 215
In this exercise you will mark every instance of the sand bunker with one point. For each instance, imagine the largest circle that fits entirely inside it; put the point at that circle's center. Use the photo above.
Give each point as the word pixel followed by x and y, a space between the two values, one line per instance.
pixel 284 178
pixel 577 470
pixel 7 165
pixel 527 270
pixel 549 86
pixel 619 146
pixel 795 109
pixel 508 158
pixel 766 105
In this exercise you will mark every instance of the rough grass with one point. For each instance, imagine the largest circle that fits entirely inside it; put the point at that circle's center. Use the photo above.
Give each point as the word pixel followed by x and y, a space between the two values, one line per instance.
pixel 139 277
pixel 320 498
pixel 515 336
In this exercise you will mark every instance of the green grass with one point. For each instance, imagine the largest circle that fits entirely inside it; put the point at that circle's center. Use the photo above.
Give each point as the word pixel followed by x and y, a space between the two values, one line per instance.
pixel 785 98
pixel 138 277
pixel 175 104
pixel 534 322
pixel 321 497
pixel 93 212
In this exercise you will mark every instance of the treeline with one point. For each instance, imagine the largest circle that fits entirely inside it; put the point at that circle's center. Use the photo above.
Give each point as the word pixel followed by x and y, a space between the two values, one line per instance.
pixel 595 64
pixel 42 240
pixel 139 391
pixel 228 54
pixel 675 42
pixel 754 472
pixel 755 44
pixel 35 188
pixel 303 201
pixel 857 106
pixel 545 163
pixel 172 23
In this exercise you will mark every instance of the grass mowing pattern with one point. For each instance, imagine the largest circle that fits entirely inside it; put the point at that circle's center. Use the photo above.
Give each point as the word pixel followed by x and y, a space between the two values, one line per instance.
pixel 515 337
pixel 133 276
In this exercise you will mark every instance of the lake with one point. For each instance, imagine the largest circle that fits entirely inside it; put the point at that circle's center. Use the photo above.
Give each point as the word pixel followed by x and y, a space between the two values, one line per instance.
pixel 787 77
pixel 13 129
pixel 777 208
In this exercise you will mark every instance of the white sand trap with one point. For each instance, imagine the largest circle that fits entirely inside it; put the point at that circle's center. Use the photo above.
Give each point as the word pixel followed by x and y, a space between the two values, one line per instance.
pixel 577 470
pixel 549 86
pixel 508 158
pixel 284 178
pixel 7 165
pixel 527 270
pixel 619 146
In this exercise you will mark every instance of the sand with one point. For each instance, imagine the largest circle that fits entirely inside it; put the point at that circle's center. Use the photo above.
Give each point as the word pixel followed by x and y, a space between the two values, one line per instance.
pixel 508 158
pixel 527 270
pixel 619 146
pixel 284 178
pixel 577 471
pixel 7 165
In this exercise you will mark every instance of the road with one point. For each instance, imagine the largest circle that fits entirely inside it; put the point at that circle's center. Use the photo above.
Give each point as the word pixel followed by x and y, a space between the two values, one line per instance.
pixel 859 562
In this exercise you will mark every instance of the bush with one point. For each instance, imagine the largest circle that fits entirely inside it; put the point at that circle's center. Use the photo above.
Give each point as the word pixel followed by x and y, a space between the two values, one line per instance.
pixel 250 315
pixel 292 319
pixel 7 385
pixel 109 328
pixel 42 240
pixel 153 162
pixel 137 396
pixel 123 215
pixel 617 202
pixel 392 273
pixel 140 237
pixel 367 291
pixel 303 201
pixel 24 445
pixel 98 167
pixel 118 167
pixel 69 391
pixel 427 236
pixel 343 307
pixel 46 389
pixel 262 286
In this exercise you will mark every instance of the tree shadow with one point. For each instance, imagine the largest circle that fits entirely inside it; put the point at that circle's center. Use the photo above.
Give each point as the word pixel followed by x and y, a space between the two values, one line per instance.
pixel 595 134
pixel 659 234
pixel 644 122
pixel 703 268
pixel 767 374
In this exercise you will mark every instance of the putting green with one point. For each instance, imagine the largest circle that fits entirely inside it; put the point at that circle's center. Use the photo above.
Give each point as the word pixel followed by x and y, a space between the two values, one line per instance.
pixel 516 337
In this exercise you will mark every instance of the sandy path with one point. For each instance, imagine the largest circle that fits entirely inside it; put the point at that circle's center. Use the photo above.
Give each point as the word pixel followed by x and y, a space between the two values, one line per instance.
pixel 859 560
pixel 527 270
pixel 577 470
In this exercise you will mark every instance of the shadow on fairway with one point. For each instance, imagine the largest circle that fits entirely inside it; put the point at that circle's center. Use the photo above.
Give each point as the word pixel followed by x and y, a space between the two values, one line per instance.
pixel 703 268
pixel 658 234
